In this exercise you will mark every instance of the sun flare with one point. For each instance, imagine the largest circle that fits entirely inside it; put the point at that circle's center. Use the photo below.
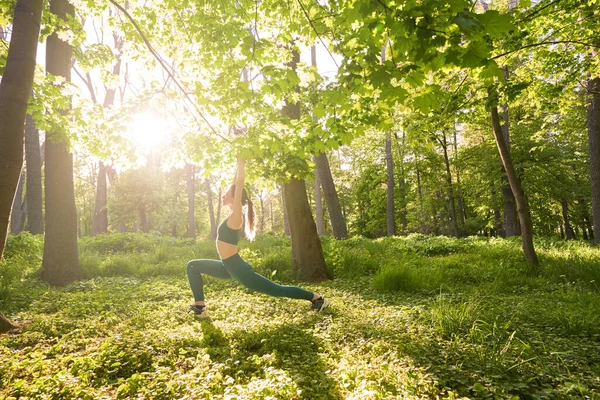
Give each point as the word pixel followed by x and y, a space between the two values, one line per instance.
pixel 148 132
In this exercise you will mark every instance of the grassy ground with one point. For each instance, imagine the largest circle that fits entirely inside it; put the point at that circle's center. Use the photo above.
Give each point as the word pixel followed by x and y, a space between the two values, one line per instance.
pixel 413 317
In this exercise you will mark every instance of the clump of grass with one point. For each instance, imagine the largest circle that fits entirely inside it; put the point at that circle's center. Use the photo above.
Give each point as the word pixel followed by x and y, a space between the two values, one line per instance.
pixel 411 276
pixel 453 319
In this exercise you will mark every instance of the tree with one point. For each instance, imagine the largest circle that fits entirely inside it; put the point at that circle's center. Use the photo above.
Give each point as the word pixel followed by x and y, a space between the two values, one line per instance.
pixel 517 189
pixel 336 217
pixel 60 264
pixel 15 88
pixel 33 157
pixel 593 126
pixel 319 217
pixel 191 195
pixel 19 208
pixel 389 161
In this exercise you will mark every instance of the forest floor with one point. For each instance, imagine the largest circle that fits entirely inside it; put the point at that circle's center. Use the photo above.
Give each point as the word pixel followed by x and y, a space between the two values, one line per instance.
pixel 454 319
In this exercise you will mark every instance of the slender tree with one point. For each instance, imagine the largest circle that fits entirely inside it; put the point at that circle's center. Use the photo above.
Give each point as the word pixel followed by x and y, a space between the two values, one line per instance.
pixel 19 208
pixel 211 210
pixel 517 189
pixel 389 161
pixel 191 195
pixel 60 264
pixel 33 157
pixel 319 205
pixel 15 88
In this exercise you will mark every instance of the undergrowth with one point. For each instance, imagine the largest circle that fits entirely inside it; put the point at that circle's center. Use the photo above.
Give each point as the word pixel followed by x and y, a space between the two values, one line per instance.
pixel 411 317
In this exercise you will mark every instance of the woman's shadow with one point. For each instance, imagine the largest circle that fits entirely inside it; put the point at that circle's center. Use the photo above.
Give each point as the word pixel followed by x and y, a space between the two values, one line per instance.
pixel 289 347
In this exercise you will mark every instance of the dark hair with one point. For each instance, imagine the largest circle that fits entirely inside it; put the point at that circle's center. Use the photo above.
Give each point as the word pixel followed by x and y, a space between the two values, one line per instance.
pixel 249 228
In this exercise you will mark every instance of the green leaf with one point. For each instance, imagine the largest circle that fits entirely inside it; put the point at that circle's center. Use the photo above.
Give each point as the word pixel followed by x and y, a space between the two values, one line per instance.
pixel 496 24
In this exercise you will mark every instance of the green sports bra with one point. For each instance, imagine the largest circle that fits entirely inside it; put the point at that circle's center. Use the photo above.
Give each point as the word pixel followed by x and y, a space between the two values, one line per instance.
pixel 228 235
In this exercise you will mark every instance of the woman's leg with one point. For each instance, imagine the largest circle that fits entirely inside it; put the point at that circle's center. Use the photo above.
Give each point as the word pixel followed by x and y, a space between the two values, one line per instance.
pixel 242 272
pixel 196 268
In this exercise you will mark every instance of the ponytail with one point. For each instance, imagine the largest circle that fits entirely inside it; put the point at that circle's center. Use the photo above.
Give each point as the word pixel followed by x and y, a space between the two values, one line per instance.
pixel 249 228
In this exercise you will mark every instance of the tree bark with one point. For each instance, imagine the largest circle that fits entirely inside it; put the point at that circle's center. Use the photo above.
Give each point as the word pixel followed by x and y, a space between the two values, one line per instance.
pixel 338 222
pixel 15 89
pixel 391 223
pixel 566 222
pixel 517 189
pixel 593 125
pixel 403 212
pixel 143 219
pixel 461 201
pixel 261 227
pixel 60 264
pixel 33 157
pixel 100 219
pixel 307 254
pixel 18 213
pixel 286 220
pixel 318 204
pixel 191 194
pixel 5 324
pixel 452 210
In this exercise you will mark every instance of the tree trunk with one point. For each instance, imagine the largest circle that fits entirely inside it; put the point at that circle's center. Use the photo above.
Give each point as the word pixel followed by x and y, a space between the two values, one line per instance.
pixel 60 265
pixel 211 210
pixel 452 210
pixel 307 254
pixel 33 157
pixel 15 89
pixel 5 324
pixel 18 213
pixel 338 222
pixel 308 261
pixel 567 223
pixel 143 219
pixel 593 125
pixel 517 189
pixel 318 204
pixel 391 223
pixel 286 220
pixel 459 196
pixel 402 181
pixel 262 213
pixel 100 219
pixel 191 194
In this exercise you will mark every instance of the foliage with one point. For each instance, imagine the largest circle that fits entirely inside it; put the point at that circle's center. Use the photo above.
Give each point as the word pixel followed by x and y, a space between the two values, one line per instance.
pixel 480 329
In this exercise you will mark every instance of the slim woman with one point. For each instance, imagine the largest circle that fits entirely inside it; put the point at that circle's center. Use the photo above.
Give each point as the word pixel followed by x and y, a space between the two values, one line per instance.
pixel 231 265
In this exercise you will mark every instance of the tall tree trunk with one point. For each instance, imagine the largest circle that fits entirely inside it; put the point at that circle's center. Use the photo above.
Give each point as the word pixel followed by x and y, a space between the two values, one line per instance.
pixel 452 210
pixel 286 220
pixel 593 125
pixel 307 254
pixel 459 196
pixel 100 219
pixel 566 222
pixel 338 222
pixel 60 265
pixel 511 224
pixel 211 210
pixel 262 213
pixel 517 189
pixel 389 161
pixel 17 218
pixel 143 219
pixel 319 217
pixel 33 157
pixel 15 89
pixel 402 180
pixel 191 194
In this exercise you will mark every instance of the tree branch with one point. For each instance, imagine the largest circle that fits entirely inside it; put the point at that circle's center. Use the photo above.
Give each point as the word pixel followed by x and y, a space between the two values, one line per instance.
pixel 545 43
pixel 162 64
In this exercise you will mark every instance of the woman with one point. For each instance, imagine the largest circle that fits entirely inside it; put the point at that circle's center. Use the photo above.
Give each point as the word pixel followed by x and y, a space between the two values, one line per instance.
pixel 231 265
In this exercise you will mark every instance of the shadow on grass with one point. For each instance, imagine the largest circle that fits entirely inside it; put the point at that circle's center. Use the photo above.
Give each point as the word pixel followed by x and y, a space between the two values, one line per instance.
pixel 290 348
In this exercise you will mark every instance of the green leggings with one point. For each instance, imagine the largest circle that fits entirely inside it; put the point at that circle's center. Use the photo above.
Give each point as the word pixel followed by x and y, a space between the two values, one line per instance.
pixel 235 267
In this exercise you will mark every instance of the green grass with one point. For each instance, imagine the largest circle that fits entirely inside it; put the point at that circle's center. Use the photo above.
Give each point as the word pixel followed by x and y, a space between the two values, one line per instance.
pixel 412 317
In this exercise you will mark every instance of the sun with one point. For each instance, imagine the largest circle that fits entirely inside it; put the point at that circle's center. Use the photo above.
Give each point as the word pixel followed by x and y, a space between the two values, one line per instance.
pixel 148 132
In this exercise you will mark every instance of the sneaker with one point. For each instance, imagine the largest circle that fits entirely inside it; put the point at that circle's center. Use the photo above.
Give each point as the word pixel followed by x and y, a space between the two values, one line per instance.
pixel 320 304
pixel 199 311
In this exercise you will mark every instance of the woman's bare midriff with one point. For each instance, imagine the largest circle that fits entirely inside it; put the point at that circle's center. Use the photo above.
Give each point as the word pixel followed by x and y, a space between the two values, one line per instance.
pixel 226 250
